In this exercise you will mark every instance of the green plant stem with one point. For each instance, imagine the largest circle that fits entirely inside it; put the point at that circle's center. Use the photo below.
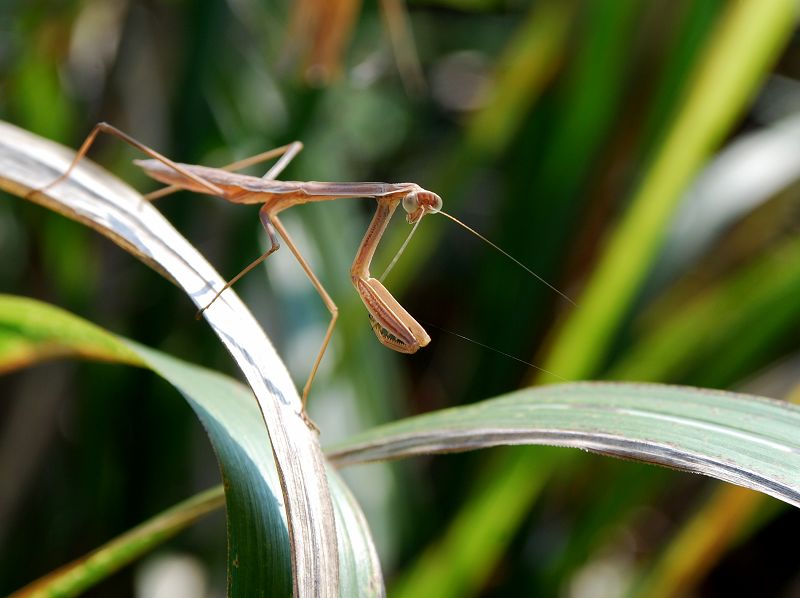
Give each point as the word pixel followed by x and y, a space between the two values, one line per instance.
pixel 74 578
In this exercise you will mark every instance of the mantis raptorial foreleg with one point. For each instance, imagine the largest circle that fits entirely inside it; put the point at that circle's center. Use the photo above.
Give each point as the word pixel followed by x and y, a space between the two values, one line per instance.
pixel 389 320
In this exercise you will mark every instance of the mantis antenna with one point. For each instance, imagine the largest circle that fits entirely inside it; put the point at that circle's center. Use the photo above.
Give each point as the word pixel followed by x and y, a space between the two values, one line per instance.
pixel 505 253
pixel 482 238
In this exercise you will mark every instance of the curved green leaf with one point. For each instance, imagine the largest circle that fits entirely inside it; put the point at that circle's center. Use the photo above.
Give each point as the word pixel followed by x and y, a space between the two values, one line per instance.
pixel 258 534
pixel 30 333
pixel 742 439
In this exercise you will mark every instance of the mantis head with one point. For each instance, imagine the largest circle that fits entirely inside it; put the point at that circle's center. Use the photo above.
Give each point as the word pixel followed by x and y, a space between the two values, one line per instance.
pixel 420 202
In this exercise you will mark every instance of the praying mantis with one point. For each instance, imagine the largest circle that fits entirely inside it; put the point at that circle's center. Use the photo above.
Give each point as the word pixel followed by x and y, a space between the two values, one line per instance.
pixel 393 325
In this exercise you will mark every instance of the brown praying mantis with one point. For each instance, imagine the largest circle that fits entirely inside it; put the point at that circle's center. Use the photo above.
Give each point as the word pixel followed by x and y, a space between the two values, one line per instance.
pixel 392 324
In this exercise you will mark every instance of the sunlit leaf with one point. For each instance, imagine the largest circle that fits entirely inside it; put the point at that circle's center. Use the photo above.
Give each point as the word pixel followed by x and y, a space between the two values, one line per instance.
pixel 258 536
pixel 746 440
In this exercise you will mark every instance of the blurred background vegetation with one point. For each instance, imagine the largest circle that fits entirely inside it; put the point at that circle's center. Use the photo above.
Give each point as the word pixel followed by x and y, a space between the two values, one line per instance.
pixel 642 156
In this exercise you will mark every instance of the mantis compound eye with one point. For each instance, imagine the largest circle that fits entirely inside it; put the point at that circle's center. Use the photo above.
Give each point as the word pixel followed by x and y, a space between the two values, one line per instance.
pixel 411 203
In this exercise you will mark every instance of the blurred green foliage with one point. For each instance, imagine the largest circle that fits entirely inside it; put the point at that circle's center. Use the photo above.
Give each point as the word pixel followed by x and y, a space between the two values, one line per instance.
pixel 541 125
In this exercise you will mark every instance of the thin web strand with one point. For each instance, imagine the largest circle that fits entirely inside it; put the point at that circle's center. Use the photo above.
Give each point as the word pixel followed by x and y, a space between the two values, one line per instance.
pixel 508 255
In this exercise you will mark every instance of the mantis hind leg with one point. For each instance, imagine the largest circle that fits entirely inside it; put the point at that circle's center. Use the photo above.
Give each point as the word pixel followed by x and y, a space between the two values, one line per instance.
pixel 104 127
